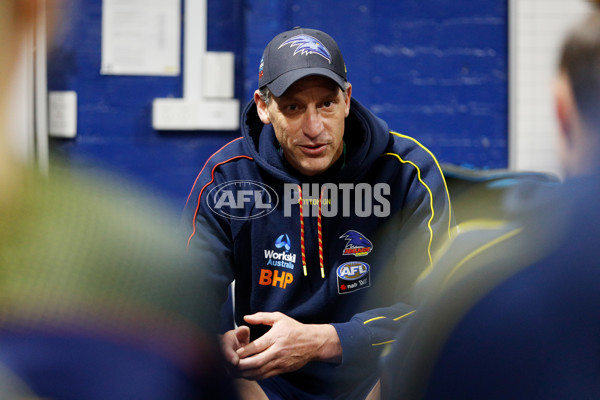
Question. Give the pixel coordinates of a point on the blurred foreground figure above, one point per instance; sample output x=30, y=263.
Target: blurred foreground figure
x=514, y=312
x=96, y=302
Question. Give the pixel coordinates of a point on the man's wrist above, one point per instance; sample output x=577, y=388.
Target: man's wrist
x=329, y=346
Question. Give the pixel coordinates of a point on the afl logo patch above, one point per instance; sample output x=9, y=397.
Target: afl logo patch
x=352, y=276
x=242, y=199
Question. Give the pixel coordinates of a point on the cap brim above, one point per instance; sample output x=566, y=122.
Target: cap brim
x=279, y=85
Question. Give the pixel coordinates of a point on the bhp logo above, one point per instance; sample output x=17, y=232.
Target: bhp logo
x=275, y=278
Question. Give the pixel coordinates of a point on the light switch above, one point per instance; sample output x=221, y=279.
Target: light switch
x=218, y=75
x=62, y=114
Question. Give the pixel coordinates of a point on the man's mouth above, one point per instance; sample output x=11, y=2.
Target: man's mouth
x=313, y=149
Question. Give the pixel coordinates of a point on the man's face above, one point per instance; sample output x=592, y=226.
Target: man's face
x=308, y=120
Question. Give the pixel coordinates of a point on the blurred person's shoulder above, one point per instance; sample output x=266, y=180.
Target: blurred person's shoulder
x=95, y=262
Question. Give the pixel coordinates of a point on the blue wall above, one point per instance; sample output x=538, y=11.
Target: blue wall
x=435, y=70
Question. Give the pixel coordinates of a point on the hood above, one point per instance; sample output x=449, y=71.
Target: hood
x=366, y=137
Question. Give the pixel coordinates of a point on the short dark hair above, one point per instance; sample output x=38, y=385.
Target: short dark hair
x=580, y=61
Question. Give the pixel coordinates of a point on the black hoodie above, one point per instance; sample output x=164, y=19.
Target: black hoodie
x=258, y=222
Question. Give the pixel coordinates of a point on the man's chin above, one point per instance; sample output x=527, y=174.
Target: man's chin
x=313, y=170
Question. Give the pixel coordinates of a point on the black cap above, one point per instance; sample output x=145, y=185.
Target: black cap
x=294, y=54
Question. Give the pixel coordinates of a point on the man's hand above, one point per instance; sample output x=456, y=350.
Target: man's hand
x=232, y=341
x=286, y=347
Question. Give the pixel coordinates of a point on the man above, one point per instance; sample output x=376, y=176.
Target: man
x=96, y=301
x=532, y=331
x=302, y=212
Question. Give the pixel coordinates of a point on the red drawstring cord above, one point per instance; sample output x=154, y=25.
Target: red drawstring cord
x=302, y=233
x=319, y=234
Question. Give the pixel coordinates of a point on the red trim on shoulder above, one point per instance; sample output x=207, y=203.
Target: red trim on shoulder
x=212, y=174
x=205, y=164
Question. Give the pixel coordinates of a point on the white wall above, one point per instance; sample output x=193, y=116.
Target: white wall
x=27, y=108
x=20, y=109
x=536, y=31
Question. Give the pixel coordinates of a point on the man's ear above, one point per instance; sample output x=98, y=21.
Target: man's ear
x=348, y=98
x=564, y=108
x=261, y=107
x=573, y=139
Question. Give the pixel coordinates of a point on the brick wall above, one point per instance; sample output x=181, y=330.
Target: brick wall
x=435, y=70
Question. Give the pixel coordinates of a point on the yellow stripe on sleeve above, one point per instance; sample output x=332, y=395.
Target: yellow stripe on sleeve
x=441, y=174
x=430, y=201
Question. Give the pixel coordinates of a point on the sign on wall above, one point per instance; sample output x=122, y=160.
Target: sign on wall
x=141, y=37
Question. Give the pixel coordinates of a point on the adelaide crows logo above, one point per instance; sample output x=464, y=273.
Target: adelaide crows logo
x=357, y=244
x=308, y=45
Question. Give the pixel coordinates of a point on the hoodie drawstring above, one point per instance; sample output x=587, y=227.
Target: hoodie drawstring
x=319, y=234
x=303, y=251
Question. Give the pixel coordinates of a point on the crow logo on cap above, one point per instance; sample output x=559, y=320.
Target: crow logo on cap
x=306, y=45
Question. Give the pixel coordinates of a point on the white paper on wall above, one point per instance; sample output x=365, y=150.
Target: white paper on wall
x=141, y=37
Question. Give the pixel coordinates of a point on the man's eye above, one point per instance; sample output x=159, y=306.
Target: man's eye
x=292, y=107
x=327, y=104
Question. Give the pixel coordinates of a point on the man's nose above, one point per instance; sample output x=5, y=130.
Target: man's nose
x=312, y=124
